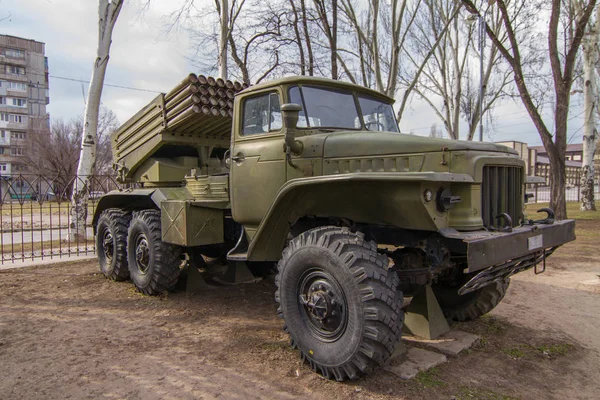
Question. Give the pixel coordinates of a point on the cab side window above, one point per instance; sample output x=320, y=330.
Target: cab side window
x=262, y=114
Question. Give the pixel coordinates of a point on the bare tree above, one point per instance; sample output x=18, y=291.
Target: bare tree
x=108, y=12
x=562, y=64
x=380, y=37
x=255, y=46
x=591, y=60
x=449, y=84
x=57, y=151
x=327, y=11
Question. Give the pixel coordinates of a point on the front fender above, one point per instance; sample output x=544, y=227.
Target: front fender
x=393, y=199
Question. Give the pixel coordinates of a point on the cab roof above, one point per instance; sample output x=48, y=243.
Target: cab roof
x=317, y=81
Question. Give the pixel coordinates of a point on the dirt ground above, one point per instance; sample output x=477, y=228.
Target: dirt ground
x=67, y=332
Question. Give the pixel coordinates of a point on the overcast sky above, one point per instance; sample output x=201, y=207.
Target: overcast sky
x=143, y=57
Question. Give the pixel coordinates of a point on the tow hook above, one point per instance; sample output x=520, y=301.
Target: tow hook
x=508, y=222
x=549, y=220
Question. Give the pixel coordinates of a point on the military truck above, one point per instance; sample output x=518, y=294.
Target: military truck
x=313, y=174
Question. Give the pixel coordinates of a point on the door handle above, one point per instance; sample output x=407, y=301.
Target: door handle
x=239, y=157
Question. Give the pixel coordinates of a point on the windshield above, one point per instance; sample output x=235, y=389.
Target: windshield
x=329, y=108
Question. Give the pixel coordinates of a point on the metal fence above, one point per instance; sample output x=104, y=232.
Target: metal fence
x=35, y=209
x=541, y=191
x=34, y=216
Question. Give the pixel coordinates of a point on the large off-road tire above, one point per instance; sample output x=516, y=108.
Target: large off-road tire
x=339, y=302
x=471, y=305
x=153, y=264
x=111, y=243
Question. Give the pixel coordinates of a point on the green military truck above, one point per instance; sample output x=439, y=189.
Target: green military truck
x=314, y=174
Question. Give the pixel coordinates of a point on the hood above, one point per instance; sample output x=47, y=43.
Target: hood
x=353, y=144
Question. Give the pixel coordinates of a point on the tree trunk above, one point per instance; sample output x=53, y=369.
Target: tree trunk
x=224, y=33
x=298, y=38
x=311, y=58
x=557, y=187
x=107, y=17
x=334, y=34
x=590, y=100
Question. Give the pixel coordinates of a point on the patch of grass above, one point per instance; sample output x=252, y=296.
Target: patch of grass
x=276, y=346
x=467, y=393
x=547, y=350
x=429, y=379
x=573, y=211
x=493, y=325
x=516, y=352
x=555, y=350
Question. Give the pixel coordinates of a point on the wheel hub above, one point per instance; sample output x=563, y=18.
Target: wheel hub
x=324, y=305
x=142, y=254
x=108, y=245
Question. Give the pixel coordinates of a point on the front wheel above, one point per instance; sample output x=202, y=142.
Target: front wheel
x=153, y=264
x=339, y=302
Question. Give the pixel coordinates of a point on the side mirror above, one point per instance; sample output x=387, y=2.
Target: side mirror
x=289, y=115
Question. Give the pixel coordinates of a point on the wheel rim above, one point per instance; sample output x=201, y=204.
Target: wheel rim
x=142, y=254
x=108, y=246
x=323, y=305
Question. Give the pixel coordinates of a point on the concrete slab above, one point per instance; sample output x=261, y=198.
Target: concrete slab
x=414, y=360
x=450, y=343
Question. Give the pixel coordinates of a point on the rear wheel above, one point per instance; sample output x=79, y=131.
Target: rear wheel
x=153, y=264
x=339, y=303
x=472, y=305
x=111, y=243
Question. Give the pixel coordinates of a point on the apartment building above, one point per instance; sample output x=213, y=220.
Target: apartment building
x=23, y=100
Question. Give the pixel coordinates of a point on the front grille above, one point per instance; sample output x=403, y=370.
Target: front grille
x=501, y=192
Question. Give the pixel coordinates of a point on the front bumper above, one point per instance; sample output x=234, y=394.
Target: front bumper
x=498, y=255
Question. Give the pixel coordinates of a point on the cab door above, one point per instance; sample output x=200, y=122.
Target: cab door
x=257, y=166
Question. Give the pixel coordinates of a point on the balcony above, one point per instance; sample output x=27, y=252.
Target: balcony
x=14, y=109
x=16, y=93
x=16, y=126
x=13, y=77
x=21, y=62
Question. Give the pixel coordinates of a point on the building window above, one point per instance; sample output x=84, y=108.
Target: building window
x=2, y=167
x=1, y=150
x=2, y=135
x=17, y=151
x=15, y=70
x=17, y=135
x=14, y=53
x=16, y=85
x=20, y=167
x=17, y=119
x=19, y=102
x=2, y=100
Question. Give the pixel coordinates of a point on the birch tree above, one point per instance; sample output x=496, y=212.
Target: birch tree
x=108, y=12
x=563, y=46
x=591, y=60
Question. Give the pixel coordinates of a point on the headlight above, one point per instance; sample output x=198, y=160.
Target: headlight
x=428, y=195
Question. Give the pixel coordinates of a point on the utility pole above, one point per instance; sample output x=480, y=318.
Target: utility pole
x=482, y=26
x=482, y=33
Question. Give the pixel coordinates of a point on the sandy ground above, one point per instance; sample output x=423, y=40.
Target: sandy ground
x=67, y=332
